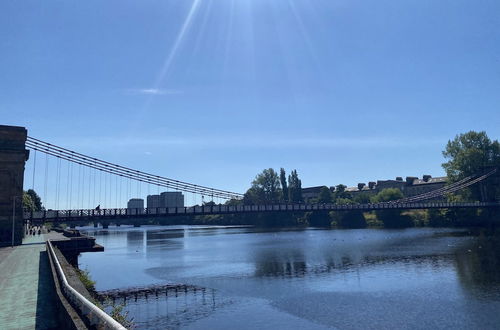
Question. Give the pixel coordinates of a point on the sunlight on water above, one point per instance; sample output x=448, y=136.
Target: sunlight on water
x=306, y=278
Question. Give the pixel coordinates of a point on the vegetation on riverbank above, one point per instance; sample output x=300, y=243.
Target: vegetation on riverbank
x=467, y=154
x=115, y=310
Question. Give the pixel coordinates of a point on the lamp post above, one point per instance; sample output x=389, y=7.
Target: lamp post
x=14, y=217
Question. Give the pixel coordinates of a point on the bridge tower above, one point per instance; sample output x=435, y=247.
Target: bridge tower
x=13, y=156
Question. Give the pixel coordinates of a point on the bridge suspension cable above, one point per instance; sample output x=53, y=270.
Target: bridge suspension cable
x=125, y=172
x=464, y=183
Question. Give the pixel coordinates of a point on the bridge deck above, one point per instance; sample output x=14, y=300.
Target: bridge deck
x=65, y=215
x=26, y=289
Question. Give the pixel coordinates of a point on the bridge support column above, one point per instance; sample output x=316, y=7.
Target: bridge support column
x=13, y=155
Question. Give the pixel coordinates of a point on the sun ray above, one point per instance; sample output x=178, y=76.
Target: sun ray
x=180, y=37
x=171, y=56
x=303, y=31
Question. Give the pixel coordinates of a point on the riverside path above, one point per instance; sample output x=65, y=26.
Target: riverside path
x=26, y=289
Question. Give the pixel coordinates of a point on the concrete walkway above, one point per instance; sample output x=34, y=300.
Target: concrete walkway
x=26, y=291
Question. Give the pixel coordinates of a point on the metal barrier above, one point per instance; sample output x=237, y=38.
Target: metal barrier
x=95, y=315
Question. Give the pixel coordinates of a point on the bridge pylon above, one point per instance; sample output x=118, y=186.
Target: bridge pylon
x=13, y=156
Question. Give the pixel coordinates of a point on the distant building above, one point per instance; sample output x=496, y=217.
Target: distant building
x=166, y=199
x=410, y=187
x=153, y=201
x=311, y=193
x=136, y=204
x=172, y=199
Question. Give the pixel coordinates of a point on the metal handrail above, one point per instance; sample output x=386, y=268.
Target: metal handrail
x=94, y=314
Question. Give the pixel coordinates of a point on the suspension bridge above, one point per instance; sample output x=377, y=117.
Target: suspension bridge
x=86, y=164
x=72, y=184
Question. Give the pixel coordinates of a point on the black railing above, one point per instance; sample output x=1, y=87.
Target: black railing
x=63, y=215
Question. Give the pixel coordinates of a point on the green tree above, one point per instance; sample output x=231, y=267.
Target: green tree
x=284, y=186
x=294, y=188
x=362, y=198
x=28, y=202
x=341, y=193
x=469, y=154
x=265, y=188
x=325, y=196
x=253, y=196
x=321, y=218
x=391, y=218
x=387, y=195
x=37, y=201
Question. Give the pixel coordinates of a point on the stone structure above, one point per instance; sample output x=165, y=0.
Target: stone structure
x=411, y=186
x=310, y=193
x=13, y=156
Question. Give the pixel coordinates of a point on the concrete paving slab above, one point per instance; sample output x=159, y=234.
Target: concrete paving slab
x=27, y=299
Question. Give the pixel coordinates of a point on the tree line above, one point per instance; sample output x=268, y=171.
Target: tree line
x=467, y=154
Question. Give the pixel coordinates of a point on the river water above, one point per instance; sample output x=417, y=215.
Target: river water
x=249, y=278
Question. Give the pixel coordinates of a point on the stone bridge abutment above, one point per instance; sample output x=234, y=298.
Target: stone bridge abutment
x=13, y=155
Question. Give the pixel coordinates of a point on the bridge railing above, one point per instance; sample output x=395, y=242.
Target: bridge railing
x=221, y=209
x=96, y=316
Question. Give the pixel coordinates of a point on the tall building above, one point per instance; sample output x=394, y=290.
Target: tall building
x=153, y=201
x=135, y=203
x=166, y=199
x=172, y=199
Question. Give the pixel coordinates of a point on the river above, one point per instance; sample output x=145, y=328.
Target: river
x=419, y=278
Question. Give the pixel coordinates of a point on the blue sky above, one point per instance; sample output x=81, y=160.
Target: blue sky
x=214, y=91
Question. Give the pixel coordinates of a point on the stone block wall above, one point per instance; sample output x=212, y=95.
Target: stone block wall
x=13, y=155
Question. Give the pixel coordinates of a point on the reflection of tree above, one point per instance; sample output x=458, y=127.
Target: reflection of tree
x=478, y=264
x=277, y=263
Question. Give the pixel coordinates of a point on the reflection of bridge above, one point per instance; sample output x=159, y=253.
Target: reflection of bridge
x=90, y=215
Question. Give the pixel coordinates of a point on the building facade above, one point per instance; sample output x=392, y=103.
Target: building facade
x=172, y=199
x=166, y=199
x=410, y=186
x=153, y=201
x=136, y=205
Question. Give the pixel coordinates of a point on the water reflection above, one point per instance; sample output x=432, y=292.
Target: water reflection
x=161, y=240
x=280, y=263
x=172, y=309
x=368, y=276
x=478, y=264
x=135, y=240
